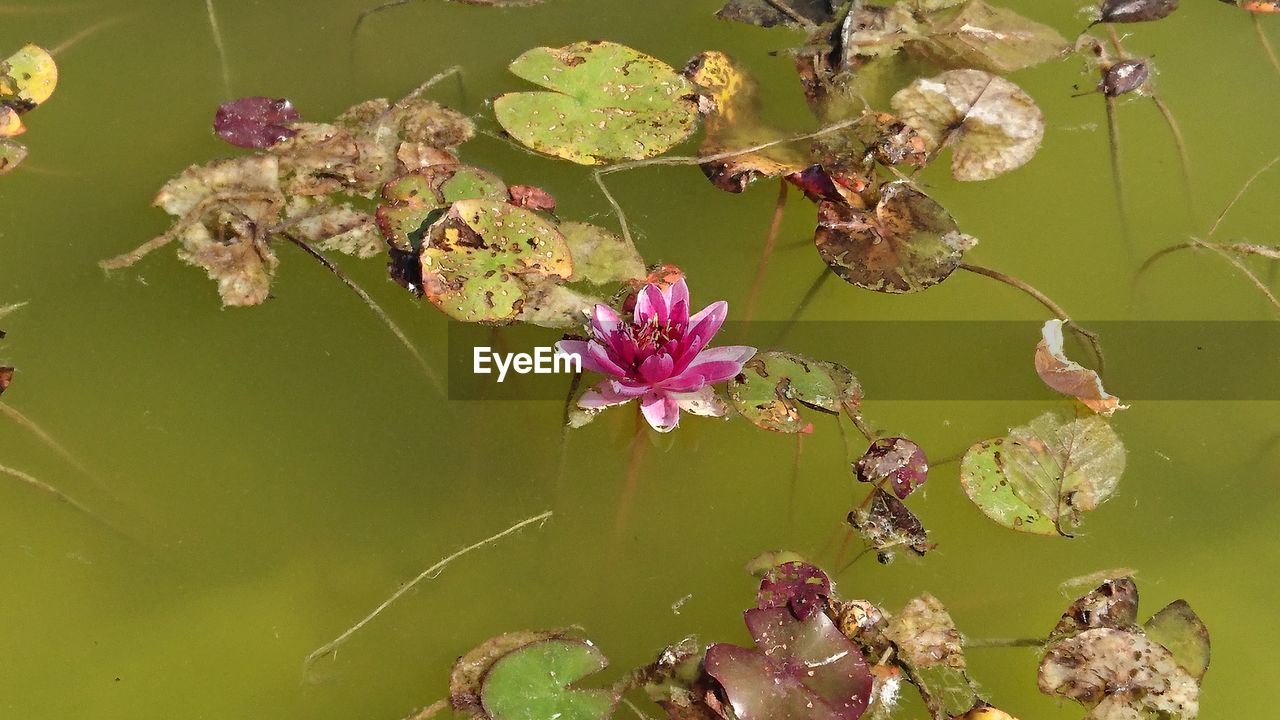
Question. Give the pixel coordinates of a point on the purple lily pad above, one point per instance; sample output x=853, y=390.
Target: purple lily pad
x=898, y=459
x=255, y=122
x=800, y=670
x=795, y=585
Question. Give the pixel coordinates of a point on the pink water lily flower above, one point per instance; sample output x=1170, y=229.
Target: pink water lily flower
x=659, y=356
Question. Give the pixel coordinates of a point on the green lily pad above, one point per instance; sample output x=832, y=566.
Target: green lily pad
x=599, y=256
x=415, y=199
x=1043, y=477
x=483, y=256
x=907, y=243
x=535, y=683
x=606, y=102
x=12, y=153
x=1182, y=633
x=27, y=78
x=774, y=385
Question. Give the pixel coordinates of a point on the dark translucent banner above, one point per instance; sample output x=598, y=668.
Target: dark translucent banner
x=941, y=360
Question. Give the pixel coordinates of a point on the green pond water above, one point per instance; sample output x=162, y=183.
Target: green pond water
x=279, y=471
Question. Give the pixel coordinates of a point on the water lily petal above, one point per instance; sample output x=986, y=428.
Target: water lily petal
x=651, y=304
x=596, y=362
x=603, y=395
x=604, y=321
x=715, y=365
x=707, y=322
x=702, y=402
x=656, y=368
x=678, y=302
x=661, y=410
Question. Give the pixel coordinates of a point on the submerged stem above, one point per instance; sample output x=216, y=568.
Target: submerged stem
x=1053, y=307
x=30, y=426
x=803, y=305
x=430, y=573
x=766, y=253
x=1184, y=159
x=1117, y=178
x=221, y=47
x=632, y=481
x=1240, y=194
x=1003, y=642
x=74, y=40
x=1266, y=43
x=375, y=307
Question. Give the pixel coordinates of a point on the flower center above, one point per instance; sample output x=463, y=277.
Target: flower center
x=654, y=335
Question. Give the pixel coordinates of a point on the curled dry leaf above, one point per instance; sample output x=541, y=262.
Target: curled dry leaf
x=1183, y=634
x=1113, y=604
x=800, y=670
x=538, y=681
x=1130, y=11
x=604, y=102
x=886, y=523
x=1069, y=377
x=334, y=226
x=991, y=125
x=985, y=37
x=27, y=78
x=1119, y=675
x=599, y=256
x=6, y=378
x=1042, y=478
x=1124, y=77
x=798, y=586
x=899, y=460
x=484, y=255
x=12, y=153
x=931, y=648
x=906, y=244
x=255, y=122
x=534, y=198
x=732, y=123
x=774, y=385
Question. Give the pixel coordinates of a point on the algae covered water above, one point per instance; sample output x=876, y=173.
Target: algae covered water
x=258, y=479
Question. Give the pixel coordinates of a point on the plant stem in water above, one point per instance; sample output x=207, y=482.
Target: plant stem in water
x=770, y=242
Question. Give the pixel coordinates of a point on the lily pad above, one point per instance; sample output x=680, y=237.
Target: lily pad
x=27, y=78
x=931, y=648
x=774, y=385
x=799, y=586
x=535, y=682
x=1120, y=675
x=470, y=670
x=899, y=460
x=415, y=199
x=1068, y=376
x=733, y=123
x=906, y=244
x=12, y=153
x=799, y=670
x=599, y=256
x=1182, y=633
x=886, y=523
x=1043, y=477
x=604, y=102
x=483, y=256
x=985, y=37
x=991, y=125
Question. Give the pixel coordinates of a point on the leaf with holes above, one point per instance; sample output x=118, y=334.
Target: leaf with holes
x=415, y=200
x=906, y=244
x=27, y=78
x=255, y=122
x=483, y=256
x=932, y=649
x=799, y=586
x=604, y=102
x=1042, y=478
x=799, y=670
x=886, y=524
x=1113, y=604
x=1120, y=675
x=992, y=126
x=899, y=460
x=774, y=385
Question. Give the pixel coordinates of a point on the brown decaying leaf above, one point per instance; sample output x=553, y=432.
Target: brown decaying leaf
x=6, y=377
x=992, y=126
x=771, y=13
x=1069, y=377
x=337, y=227
x=886, y=523
x=908, y=243
x=1113, y=604
x=1124, y=77
x=1130, y=11
x=1121, y=675
x=986, y=37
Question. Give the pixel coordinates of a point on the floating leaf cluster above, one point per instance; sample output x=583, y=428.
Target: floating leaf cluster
x=27, y=79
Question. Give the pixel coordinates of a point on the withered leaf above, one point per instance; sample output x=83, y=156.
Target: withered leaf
x=552, y=305
x=6, y=377
x=337, y=227
x=1182, y=633
x=899, y=460
x=1130, y=11
x=991, y=125
x=1124, y=77
x=931, y=648
x=599, y=256
x=12, y=153
x=771, y=13
x=1120, y=675
x=908, y=243
x=986, y=37
x=886, y=523
x=1069, y=377
x=1113, y=604
x=255, y=122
